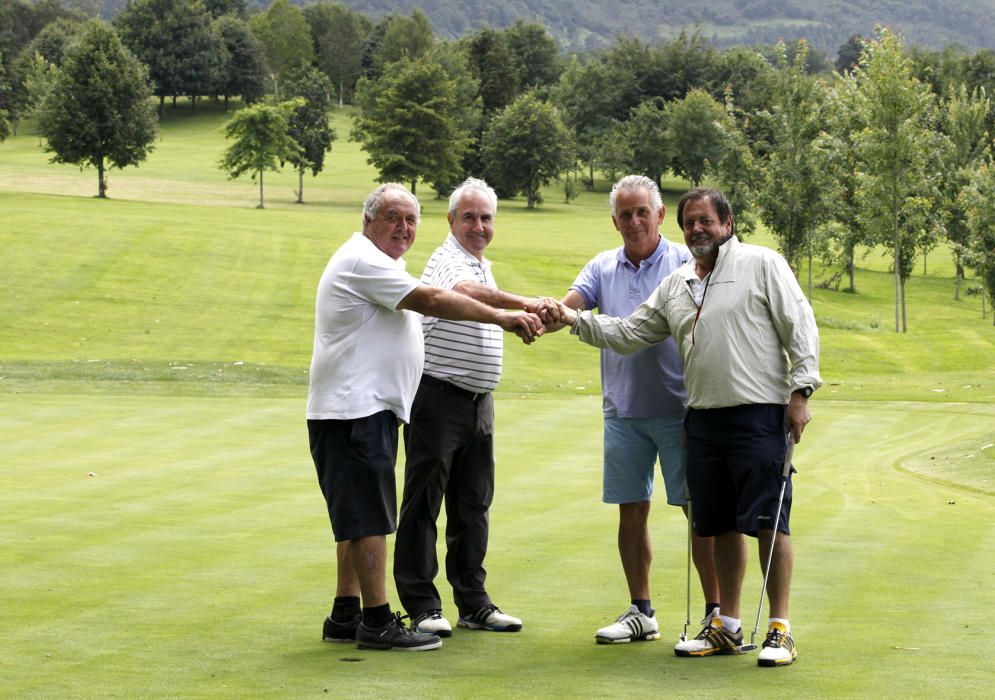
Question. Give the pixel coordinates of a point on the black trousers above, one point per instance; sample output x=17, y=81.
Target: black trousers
x=449, y=450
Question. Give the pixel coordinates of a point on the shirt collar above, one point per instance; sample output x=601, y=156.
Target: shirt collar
x=455, y=245
x=655, y=256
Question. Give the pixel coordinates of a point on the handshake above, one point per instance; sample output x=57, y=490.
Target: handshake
x=540, y=315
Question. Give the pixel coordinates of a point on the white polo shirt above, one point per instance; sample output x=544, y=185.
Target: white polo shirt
x=367, y=356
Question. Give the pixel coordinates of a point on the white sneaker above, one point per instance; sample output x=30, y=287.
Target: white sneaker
x=432, y=622
x=778, y=648
x=490, y=618
x=632, y=626
x=713, y=639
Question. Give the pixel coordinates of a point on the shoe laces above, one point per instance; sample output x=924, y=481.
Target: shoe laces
x=774, y=637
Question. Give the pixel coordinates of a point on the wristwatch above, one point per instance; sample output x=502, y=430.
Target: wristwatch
x=805, y=391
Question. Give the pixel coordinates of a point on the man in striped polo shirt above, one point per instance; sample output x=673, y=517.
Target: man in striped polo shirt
x=449, y=446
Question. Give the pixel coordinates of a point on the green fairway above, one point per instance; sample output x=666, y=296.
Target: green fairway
x=180, y=548
x=164, y=535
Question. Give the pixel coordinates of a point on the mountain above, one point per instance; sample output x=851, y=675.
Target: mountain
x=826, y=24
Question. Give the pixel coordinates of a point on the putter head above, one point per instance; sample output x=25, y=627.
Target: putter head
x=746, y=647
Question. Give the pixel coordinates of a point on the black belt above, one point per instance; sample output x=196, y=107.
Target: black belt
x=443, y=385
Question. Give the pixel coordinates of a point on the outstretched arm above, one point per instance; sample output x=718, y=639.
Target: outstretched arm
x=442, y=303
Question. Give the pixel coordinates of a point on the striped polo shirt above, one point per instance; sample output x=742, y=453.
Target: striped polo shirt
x=465, y=353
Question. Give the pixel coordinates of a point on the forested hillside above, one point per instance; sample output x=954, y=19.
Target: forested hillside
x=585, y=24
x=589, y=24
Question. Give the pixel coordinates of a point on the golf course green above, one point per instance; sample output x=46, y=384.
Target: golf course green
x=164, y=536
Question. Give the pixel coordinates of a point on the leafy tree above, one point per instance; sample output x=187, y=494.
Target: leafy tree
x=535, y=54
x=838, y=143
x=679, y=66
x=896, y=149
x=261, y=141
x=286, y=38
x=648, y=141
x=404, y=37
x=338, y=33
x=526, y=148
x=219, y=8
x=244, y=70
x=965, y=123
x=979, y=248
x=98, y=112
x=408, y=125
x=467, y=112
x=848, y=54
x=697, y=128
x=309, y=122
x=793, y=194
x=4, y=114
x=585, y=97
x=175, y=40
x=493, y=65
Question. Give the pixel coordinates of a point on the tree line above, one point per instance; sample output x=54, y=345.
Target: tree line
x=893, y=147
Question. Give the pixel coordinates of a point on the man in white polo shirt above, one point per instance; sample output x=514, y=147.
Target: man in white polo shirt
x=449, y=442
x=367, y=361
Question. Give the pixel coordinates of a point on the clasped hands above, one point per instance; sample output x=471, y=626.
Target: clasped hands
x=541, y=315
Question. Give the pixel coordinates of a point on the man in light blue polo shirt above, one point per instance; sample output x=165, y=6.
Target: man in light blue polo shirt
x=644, y=400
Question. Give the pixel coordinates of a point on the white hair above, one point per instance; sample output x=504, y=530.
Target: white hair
x=472, y=184
x=371, y=207
x=631, y=183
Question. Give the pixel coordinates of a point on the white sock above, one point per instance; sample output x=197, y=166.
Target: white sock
x=782, y=620
x=730, y=623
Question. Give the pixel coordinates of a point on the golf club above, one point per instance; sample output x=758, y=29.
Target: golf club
x=785, y=473
x=687, y=615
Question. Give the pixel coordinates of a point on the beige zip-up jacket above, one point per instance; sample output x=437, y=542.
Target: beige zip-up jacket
x=753, y=340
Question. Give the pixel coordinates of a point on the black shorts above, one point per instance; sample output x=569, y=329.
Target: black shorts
x=735, y=459
x=355, y=463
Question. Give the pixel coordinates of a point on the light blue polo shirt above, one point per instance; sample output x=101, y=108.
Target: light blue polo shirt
x=648, y=383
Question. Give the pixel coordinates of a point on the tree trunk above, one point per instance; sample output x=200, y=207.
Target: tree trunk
x=162, y=106
x=905, y=328
x=193, y=104
x=413, y=181
x=898, y=268
x=810, y=276
x=226, y=102
x=341, y=91
x=590, y=185
x=959, y=278
x=261, y=205
x=101, y=180
x=850, y=271
x=300, y=185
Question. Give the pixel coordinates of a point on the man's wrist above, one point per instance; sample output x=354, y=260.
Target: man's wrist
x=803, y=391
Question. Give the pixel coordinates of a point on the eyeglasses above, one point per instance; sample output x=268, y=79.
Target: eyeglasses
x=393, y=218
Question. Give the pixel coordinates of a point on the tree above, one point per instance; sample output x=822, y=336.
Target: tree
x=696, y=129
x=261, y=141
x=792, y=188
x=526, y=148
x=408, y=125
x=585, y=96
x=4, y=114
x=286, y=38
x=404, y=37
x=493, y=65
x=243, y=72
x=535, y=54
x=646, y=134
x=848, y=54
x=338, y=33
x=309, y=122
x=174, y=38
x=965, y=123
x=979, y=248
x=98, y=113
x=895, y=150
